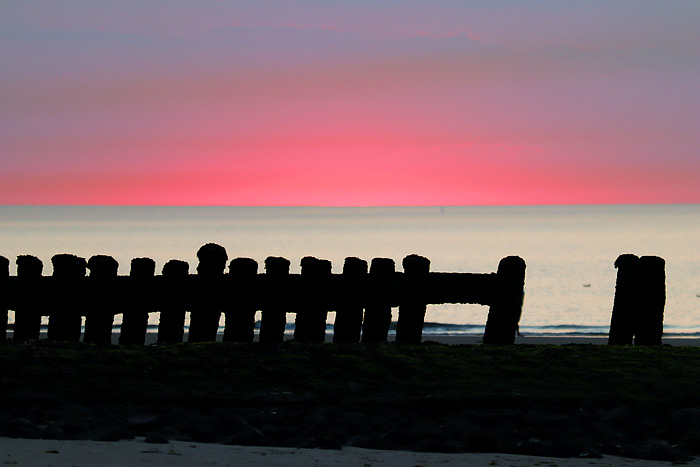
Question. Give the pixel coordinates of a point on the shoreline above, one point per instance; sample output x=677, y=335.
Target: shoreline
x=552, y=340
x=178, y=453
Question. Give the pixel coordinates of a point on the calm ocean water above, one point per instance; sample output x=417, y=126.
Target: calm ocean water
x=569, y=250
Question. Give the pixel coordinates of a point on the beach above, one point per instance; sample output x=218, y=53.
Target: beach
x=564, y=401
x=72, y=453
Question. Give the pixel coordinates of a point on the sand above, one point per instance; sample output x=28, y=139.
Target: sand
x=134, y=453
x=137, y=452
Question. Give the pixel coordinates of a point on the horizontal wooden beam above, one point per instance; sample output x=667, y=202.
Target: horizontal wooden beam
x=331, y=292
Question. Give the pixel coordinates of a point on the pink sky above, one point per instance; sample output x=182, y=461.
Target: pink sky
x=349, y=103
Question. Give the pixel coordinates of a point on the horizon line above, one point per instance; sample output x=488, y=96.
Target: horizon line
x=351, y=206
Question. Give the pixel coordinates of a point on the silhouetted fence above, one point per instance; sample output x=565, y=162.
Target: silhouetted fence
x=361, y=296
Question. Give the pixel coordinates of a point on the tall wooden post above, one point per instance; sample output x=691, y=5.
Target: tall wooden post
x=507, y=304
x=274, y=318
x=310, y=324
x=652, y=287
x=626, y=303
x=4, y=274
x=171, y=327
x=135, y=314
x=28, y=310
x=348, y=316
x=65, y=319
x=409, y=329
x=206, y=313
x=99, y=317
x=239, y=312
x=375, y=328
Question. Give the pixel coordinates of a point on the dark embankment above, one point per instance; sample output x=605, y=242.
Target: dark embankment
x=545, y=400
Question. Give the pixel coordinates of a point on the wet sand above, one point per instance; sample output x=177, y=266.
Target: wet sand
x=476, y=340
x=451, y=339
x=522, y=340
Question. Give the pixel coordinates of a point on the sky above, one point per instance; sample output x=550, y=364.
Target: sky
x=340, y=103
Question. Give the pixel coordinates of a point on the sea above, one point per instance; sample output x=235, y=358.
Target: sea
x=569, y=250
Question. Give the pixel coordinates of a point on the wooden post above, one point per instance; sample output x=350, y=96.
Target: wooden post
x=626, y=303
x=652, y=290
x=135, y=314
x=206, y=313
x=375, y=328
x=409, y=329
x=348, y=316
x=4, y=274
x=310, y=324
x=65, y=320
x=99, y=317
x=28, y=310
x=240, y=313
x=274, y=317
x=171, y=327
x=507, y=303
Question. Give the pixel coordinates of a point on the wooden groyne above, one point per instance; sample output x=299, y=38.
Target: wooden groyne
x=362, y=296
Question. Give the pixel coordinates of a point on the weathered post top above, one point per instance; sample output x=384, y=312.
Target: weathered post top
x=513, y=266
x=314, y=268
x=176, y=268
x=382, y=267
x=415, y=265
x=66, y=265
x=626, y=260
x=653, y=262
x=354, y=267
x=276, y=266
x=212, y=260
x=102, y=266
x=142, y=268
x=241, y=268
x=29, y=266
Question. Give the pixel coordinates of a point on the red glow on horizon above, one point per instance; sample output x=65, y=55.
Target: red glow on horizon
x=385, y=176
